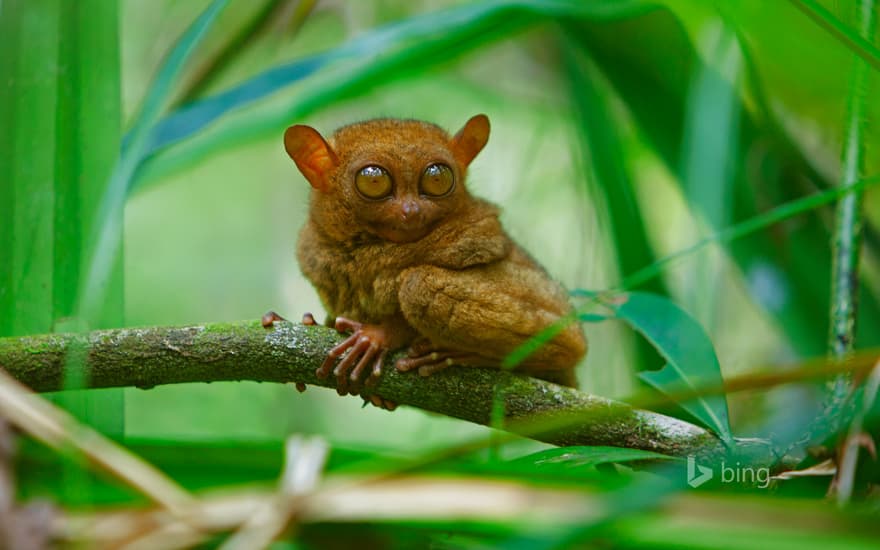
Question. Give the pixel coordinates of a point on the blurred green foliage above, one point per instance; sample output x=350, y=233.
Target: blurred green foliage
x=61, y=118
x=622, y=132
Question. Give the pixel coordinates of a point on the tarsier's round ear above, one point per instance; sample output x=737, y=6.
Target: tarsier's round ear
x=312, y=154
x=471, y=139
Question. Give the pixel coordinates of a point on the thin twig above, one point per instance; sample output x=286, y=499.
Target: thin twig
x=304, y=465
x=46, y=423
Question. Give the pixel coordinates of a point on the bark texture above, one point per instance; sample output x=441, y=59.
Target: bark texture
x=290, y=352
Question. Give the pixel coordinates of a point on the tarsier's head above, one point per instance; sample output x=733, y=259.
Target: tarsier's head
x=394, y=179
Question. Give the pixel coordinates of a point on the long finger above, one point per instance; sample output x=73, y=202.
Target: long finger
x=341, y=370
x=377, y=368
x=405, y=364
x=428, y=370
x=355, y=376
x=343, y=324
x=335, y=352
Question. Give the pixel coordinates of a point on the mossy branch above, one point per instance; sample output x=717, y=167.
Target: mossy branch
x=289, y=352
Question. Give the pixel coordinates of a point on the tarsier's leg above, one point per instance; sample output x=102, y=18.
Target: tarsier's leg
x=437, y=360
x=485, y=314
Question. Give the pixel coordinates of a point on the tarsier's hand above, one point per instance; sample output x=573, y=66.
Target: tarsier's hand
x=364, y=355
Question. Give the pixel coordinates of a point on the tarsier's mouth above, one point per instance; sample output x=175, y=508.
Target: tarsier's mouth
x=403, y=232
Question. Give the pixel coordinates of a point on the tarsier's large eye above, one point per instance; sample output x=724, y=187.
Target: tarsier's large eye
x=437, y=180
x=373, y=182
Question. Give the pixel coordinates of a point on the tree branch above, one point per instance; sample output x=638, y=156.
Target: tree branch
x=147, y=357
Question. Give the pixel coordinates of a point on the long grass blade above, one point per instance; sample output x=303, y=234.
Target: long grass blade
x=749, y=227
x=108, y=227
x=856, y=43
x=384, y=54
x=29, y=34
x=709, y=154
x=602, y=141
x=788, y=274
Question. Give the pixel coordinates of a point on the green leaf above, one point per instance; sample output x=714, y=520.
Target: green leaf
x=604, y=147
x=592, y=317
x=162, y=87
x=846, y=35
x=387, y=53
x=191, y=118
x=29, y=37
x=786, y=274
x=744, y=229
x=107, y=237
x=711, y=132
x=60, y=107
x=586, y=457
x=690, y=356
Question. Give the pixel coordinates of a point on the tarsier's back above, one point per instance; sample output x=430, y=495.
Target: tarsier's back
x=402, y=253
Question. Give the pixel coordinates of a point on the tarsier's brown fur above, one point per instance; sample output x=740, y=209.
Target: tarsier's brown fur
x=436, y=274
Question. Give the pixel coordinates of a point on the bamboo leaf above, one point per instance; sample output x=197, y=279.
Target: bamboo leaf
x=690, y=356
x=709, y=151
x=604, y=146
x=788, y=274
x=586, y=457
x=89, y=118
x=29, y=37
x=746, y=228
x=107, y=237
x=378, y=57
x=60, y=108
x=859, y=45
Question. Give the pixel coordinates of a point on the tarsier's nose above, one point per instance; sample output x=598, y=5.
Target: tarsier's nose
x=409, y=210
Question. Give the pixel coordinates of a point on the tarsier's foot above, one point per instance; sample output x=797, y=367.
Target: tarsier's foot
x=380, y=402
x=269, y=319
x=428, y=364
x=365, y=349
x=429, y=359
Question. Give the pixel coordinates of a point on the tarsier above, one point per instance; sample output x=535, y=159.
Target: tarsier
x=403, y=256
